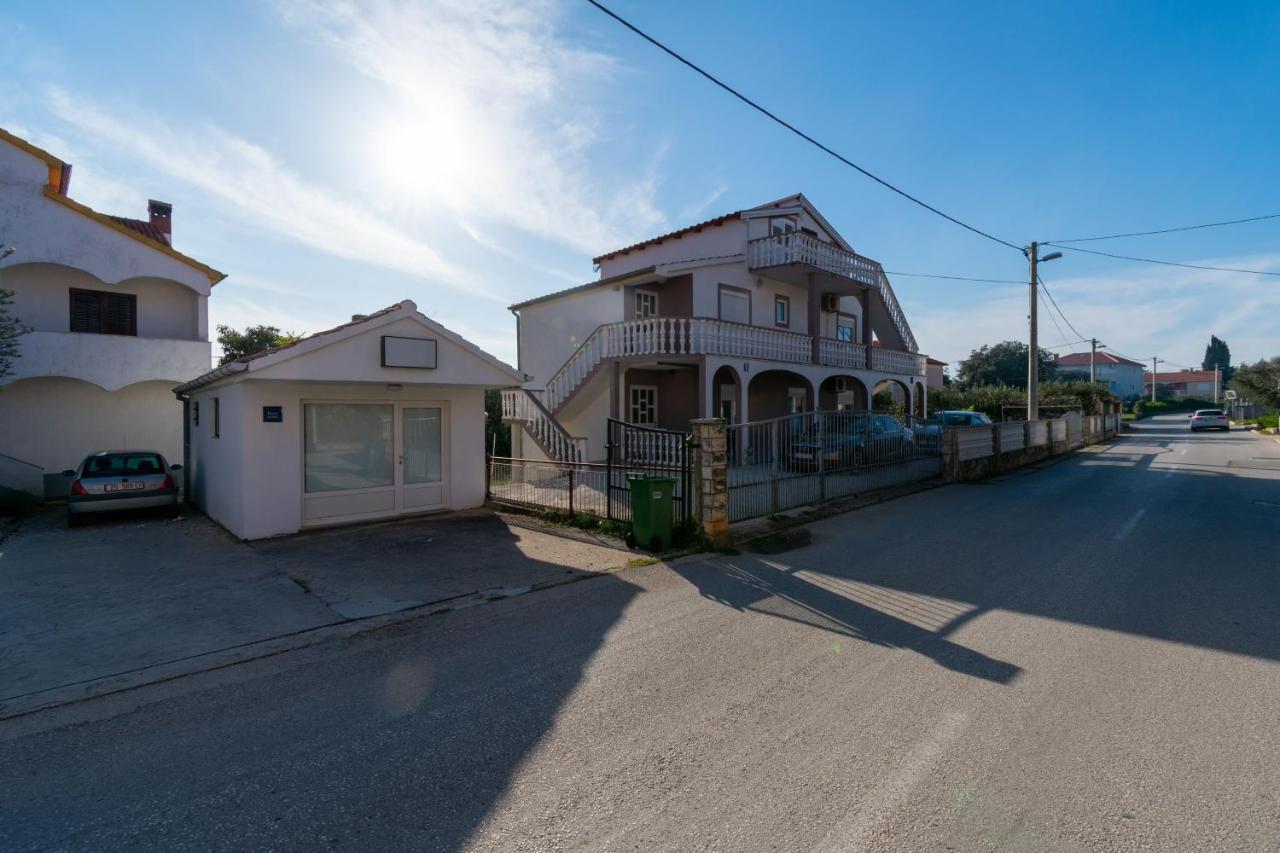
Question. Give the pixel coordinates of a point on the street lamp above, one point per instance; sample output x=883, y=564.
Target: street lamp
x=1033, y=353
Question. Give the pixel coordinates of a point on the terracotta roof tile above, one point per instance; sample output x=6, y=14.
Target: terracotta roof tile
x=143, y=227
x=710, y=223
x=1081, y=359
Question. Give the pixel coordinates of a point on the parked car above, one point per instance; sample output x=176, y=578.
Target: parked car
x=121, y=479
x=938, y=421
x=849, y=443
x=1209, y=419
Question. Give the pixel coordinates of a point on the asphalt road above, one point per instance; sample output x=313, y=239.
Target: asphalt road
x=1080, y=657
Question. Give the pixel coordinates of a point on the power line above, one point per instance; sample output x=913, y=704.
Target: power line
x=1164, y=263
x=1055, y=305
x=757, y=107
x=956, y=277
x=1051, y=317
x=1163, y=230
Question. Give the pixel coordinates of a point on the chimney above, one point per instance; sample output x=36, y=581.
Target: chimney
x=161, y=218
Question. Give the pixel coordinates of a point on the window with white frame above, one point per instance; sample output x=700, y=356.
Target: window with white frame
x=781, y=311
x=644, y=404
x=646, y=304
x=735, y=304
x=844, y=329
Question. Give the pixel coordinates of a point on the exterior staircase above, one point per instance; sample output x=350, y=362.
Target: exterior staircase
x=522, y=406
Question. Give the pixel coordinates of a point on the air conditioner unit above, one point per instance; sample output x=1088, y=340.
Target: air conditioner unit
x=842, y=384
x=830, y=302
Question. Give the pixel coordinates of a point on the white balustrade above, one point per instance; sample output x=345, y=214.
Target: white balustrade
x=842, y=354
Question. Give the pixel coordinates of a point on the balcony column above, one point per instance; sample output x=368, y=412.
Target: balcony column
x=815, y=319
x=615, y=390
x=866, y=324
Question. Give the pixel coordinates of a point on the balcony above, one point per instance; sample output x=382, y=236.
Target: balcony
x=109, y=361
x=685, y=336
x=795, y=248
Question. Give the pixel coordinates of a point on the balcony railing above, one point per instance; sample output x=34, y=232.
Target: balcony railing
x=799, y=248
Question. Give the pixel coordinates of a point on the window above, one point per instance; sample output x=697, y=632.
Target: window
x=103, y=313
x=735, y=304
x=646, y=304
x=782, y=225
x=781, y=311
x=795, y=400
x=123, y=465
x=844, y=328
x=217, y=418
x=349, y=446
x=644, y=404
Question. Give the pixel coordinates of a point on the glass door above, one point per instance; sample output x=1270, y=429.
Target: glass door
x=421, y=458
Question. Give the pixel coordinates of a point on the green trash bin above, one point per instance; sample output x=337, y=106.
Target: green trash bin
x=651, y=499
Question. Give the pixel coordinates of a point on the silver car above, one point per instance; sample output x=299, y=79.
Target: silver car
x=121, y=479
x=1209, y=419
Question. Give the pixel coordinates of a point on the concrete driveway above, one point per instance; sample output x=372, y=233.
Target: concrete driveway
x=105, y=604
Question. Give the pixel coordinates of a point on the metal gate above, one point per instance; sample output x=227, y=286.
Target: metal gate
x=633, y=449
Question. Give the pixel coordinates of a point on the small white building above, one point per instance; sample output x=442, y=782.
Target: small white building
x=117, y=316
x=380, y=417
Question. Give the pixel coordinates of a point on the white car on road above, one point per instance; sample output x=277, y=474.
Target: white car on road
x=1209, y=419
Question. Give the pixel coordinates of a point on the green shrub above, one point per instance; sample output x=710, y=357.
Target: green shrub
x=992, y=400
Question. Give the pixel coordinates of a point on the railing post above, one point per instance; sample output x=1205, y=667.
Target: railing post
x=571, y=490
x=822, y=459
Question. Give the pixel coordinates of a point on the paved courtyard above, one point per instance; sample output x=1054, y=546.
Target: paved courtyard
x=126, y=594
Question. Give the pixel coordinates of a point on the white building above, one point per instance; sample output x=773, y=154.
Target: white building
x=380, y=417
x=1122, y=377
x=117, y=316
x=751, y=315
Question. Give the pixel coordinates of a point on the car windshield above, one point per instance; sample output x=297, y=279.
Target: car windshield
x=1210, y=413
x=123, y=464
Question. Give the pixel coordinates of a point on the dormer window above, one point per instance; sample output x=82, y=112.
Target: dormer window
x=646, y=304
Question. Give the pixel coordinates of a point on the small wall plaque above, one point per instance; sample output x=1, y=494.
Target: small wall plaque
x=408, y=352
x=272, y=414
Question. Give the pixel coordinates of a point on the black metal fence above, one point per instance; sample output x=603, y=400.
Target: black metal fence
x=603, y=490
x=812, y=457
x=632, y=450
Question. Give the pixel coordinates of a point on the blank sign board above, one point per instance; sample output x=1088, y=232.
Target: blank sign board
x=408, y=352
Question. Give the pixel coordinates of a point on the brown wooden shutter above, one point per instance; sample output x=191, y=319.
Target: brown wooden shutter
x=119, y=319
x=86, y=311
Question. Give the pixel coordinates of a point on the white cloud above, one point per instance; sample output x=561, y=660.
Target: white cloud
x=1137, y=311
x=261, y=190
x=493, y=115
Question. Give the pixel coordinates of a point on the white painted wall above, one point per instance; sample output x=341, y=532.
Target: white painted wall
x=251, y=479
x=55, y=422
x=550, y=332
x=46, y=231
x=108, y=361
x=729, y=238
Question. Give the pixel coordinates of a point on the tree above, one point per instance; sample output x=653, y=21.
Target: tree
x=497, y=435
x=254, y=339
x=10, y=330
x=1217, y=354
x=1259, y=382
x=1003, y=364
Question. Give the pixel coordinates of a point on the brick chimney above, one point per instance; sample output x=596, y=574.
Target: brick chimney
x=161, y=218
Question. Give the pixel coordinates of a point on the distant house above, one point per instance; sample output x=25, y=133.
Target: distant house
x=117, y=316
x=933, y=372
x=1198, y=384
x=1123, y=377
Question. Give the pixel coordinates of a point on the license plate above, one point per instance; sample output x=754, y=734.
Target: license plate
x=123, y=487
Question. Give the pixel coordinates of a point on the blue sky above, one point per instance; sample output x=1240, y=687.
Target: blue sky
x=335, y=158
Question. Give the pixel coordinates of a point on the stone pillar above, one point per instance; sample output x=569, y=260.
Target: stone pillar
x=711, y=477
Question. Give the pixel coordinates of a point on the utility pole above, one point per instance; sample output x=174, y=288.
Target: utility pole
x=1033, y=352
x=1153, y=378
x=1093, y=360
x=1216, y=383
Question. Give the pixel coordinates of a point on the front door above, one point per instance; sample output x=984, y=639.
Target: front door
x=421, y=459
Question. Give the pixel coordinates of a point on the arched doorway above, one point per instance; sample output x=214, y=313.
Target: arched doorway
x=891, y=395
x=726, y=395
x=918, y=406
x=774, y=393
x=843, y=393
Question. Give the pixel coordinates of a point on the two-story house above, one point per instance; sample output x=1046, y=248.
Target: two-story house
x=751, y=315
x=1122, y=376
x=117, y=318
x=1183, y=384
